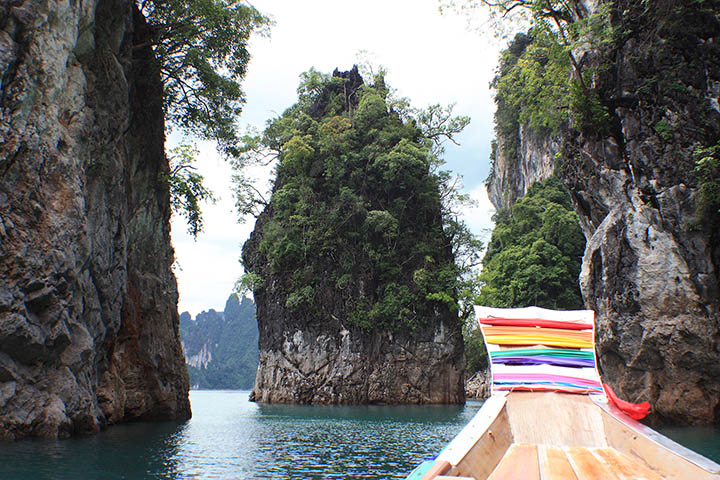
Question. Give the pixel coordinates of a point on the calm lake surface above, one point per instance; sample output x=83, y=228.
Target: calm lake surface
x=231, y=438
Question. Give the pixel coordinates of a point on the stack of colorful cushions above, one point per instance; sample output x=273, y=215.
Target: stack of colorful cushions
x=535, y=349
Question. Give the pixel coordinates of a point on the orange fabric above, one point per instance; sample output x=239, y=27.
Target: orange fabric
x=633, y=410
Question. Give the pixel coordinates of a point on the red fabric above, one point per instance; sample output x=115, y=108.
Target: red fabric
x=633, y=410
x=545, y=388
x=534, y=322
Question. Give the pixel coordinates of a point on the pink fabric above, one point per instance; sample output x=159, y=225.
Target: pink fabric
x=543, y=377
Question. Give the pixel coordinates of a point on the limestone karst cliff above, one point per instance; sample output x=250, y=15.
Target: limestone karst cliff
x=221, y=348
x=353, y=274
x=650, y=268
x=88, y=300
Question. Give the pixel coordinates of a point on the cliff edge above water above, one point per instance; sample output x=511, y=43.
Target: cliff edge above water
x=88, y=301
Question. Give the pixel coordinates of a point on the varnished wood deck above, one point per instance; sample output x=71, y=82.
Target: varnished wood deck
x=543, y=462
x=556, y=436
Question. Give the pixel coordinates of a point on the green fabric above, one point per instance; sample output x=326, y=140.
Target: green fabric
x=552, y=352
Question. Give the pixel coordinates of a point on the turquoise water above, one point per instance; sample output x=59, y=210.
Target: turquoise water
x=231, y=438
x=704, y=440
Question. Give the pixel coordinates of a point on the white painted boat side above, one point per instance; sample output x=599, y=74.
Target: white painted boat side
x=657, y=437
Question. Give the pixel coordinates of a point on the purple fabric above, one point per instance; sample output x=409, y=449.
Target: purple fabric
x=545, y=360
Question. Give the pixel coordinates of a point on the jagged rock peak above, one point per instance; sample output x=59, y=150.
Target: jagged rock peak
x=352, y=306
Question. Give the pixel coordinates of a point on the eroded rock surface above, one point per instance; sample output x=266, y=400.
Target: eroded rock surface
x=344, y=367
x=650, y=272
x=88, y=301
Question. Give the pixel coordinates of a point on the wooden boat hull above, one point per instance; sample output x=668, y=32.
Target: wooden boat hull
x=549, y=436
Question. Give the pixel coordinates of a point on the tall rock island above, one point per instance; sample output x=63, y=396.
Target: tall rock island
x=88, y=300
x=352, y=272
x=636, y=144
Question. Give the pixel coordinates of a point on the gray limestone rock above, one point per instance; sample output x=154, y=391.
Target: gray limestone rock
x=649, y=271
x=88, y=301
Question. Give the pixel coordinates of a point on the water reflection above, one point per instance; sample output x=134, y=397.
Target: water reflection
x=138, y=450
x=231, y=438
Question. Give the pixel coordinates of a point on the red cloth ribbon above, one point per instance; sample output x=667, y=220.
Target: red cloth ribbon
x=633, y=410
x=534, y=322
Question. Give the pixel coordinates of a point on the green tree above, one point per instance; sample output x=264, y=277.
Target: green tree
x=707, y=175
x=540, y=82
x=202, y=50
x=534, y=255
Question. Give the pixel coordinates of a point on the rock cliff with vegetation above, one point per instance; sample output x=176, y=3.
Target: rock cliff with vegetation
x=221, y=348
x=352, y=271
x=621, y=103
x=88, y=300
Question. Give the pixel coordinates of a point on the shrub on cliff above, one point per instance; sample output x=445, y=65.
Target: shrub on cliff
x=534, y=254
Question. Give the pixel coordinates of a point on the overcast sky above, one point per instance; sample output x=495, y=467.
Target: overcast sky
x=430, y=58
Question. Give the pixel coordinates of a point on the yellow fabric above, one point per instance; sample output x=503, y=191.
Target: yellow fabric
x=548, y=340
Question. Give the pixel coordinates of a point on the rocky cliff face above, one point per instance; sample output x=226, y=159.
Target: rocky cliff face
x=88, y=301
x=333, y=364
x=649, y=271
x=512, y=175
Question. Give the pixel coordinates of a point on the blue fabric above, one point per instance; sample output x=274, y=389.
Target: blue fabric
x=421, y=470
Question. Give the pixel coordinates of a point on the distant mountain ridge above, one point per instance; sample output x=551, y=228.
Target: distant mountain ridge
x=221, y=348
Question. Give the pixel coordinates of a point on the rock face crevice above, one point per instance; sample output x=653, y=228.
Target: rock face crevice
x=88, y=300
x=650, y=272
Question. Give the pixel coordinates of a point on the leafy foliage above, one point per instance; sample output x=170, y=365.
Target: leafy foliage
x=186, y=187
x=202, y=49
x=475, y=352
x=231, y=339
x=356, y=207
x=534, y=255
x=707, y=172
x=540, y=85
x=532, y=87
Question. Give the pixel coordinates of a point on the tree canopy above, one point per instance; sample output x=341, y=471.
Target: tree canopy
x=534, y=255
x=357, y=198
x=201, y=46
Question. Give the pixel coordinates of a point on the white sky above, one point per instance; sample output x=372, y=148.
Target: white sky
x=430, y=58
